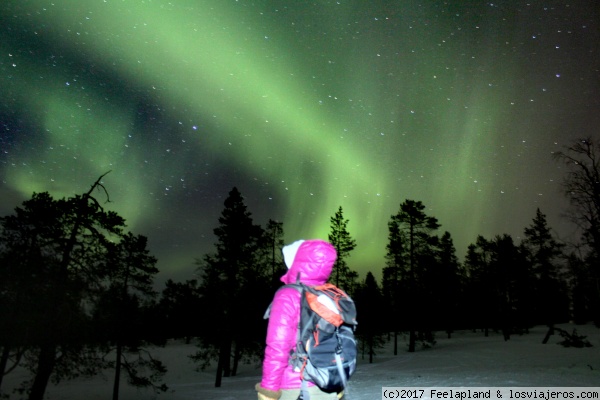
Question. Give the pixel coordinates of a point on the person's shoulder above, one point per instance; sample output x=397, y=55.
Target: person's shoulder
x=288, y=292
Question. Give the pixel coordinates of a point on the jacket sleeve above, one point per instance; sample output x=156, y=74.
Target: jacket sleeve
x=281, y=336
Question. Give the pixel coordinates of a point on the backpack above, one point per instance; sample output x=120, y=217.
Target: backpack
x=326, y=349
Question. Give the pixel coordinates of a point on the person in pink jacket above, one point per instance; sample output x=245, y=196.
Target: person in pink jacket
x=311, y=261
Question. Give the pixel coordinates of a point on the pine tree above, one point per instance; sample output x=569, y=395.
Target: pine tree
x=393, y=276
x=370, y=309
x=340, y=238
x=55, y=250
x=545, y=256
x=508, y=272
x=417, y=228
x=480, y=286
x=130, y=277
x=499, y=285
x=226, y=276
x=273, y=243
x=447, y=284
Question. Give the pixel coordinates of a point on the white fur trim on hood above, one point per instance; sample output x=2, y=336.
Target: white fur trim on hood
x=289, y=252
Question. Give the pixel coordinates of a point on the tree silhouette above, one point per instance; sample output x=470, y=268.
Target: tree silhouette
x=371, y=309
x=340, y=238
x=544, y=254
x=511, y=275
x=227, y=275
x=273, y=242
x=500, y=285
x=130, y=272
x=580, y=288
x=582, y=188
x=55, y=250
x=417, y=228
x=446, y=285
x=178, y=305
x=394, y=273
x=480, y=287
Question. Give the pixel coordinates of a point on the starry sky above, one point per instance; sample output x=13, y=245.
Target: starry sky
x=304, y=106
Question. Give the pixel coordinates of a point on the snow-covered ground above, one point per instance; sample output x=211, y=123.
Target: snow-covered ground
x=467, y=360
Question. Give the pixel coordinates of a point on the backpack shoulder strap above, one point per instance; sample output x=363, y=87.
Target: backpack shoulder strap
x=298, y=286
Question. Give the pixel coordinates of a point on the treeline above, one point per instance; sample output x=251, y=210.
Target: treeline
x=77, y=297
x=501, y=285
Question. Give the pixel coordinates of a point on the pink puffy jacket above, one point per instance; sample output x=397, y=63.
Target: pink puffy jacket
x=311, y=261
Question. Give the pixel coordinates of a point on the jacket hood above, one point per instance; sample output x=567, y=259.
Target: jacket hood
x=311, y=261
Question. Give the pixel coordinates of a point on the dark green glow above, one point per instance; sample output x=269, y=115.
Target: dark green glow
x=305, y=108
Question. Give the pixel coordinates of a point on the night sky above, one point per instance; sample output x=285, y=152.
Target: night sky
x=304, y=106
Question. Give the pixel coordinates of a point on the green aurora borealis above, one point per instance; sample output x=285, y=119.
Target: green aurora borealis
x=304, y=106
